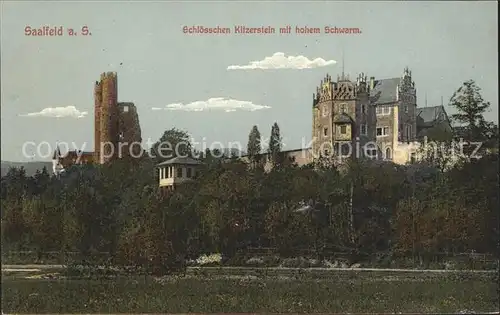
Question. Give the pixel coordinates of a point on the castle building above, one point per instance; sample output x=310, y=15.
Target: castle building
x=363, y=118
x=117, y=132
x=370, y=118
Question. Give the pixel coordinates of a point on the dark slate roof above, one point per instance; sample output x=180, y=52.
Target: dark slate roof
x=460, y=131
x=342, y=119
x=384, y=91
x=431, y=114
x=180, y=160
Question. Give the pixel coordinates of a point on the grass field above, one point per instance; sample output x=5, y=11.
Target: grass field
x=338, y=292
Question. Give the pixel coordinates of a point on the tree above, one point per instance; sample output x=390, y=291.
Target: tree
x=274, y=148
x=254, y=146
x=172, y=143
x=441, y=155
x=470, y=106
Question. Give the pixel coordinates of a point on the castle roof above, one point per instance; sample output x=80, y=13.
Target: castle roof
x=180, y=160
x=385, y=91
x=431, y=114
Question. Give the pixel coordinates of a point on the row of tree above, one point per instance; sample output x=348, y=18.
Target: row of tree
x=368, y=207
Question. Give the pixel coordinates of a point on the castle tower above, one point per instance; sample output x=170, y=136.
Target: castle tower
x=341, y=117
x=97, y=120
x=106, y=117
x=129, y=130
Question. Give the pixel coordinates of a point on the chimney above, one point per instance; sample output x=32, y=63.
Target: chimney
x=372, y=83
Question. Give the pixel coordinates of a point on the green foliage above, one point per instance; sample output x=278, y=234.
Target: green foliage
x=366, y=208
x=341, y=292
x=471, y=107
x=274, y=147
x=172, y=143
x=254, y=146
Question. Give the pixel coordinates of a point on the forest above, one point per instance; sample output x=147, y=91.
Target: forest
x=367, y=208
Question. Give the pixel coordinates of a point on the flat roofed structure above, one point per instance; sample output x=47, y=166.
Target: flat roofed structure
x=176, y=171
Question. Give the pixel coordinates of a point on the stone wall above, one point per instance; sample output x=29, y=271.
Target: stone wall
x=129, y=130
x=97, y=120
x=108, y=125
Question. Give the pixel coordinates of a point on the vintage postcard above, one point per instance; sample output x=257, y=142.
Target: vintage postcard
x=175, y=157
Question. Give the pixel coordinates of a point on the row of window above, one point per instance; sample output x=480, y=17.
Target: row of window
x=380, y=110
x=168, y=172
x=386, y=110
x=371, y=153
x=380, y=132
x=343, y=130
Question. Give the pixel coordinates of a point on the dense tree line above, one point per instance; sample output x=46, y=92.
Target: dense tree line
x=368, y=207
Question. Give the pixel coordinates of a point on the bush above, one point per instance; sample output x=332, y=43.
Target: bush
x=209, y=260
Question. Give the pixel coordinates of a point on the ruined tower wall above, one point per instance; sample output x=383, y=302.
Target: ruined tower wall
x=108, y=125
x=129, y=130
x=97, y=120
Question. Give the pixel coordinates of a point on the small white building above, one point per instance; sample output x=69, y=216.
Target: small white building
x=176, y=171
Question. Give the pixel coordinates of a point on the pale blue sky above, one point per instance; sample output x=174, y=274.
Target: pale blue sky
x=443, y=43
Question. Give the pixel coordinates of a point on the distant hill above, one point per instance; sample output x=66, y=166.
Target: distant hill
x=30, y=167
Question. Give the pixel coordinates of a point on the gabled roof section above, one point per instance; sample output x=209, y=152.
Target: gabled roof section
x=384, y=91
x=180, y=160
x=432, y=114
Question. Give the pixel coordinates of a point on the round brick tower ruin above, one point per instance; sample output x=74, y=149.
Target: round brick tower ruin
x=106, y=118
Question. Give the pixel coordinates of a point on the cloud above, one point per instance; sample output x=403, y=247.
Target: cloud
x=280, y=61
x=58, y=112
x=217, y=103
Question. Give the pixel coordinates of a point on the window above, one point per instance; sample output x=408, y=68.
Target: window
x=343, y=130
x=388, y=155
x=383, y=110
x=125, y=108
x=382, y=131
x=363, y=109
x=325, y=132
x=363, y=129
x=179, y=172
x=325, y=111
x=371, y=153
x=189, y=172
x=406, y=108
x=343, y=108
x=408, y=132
